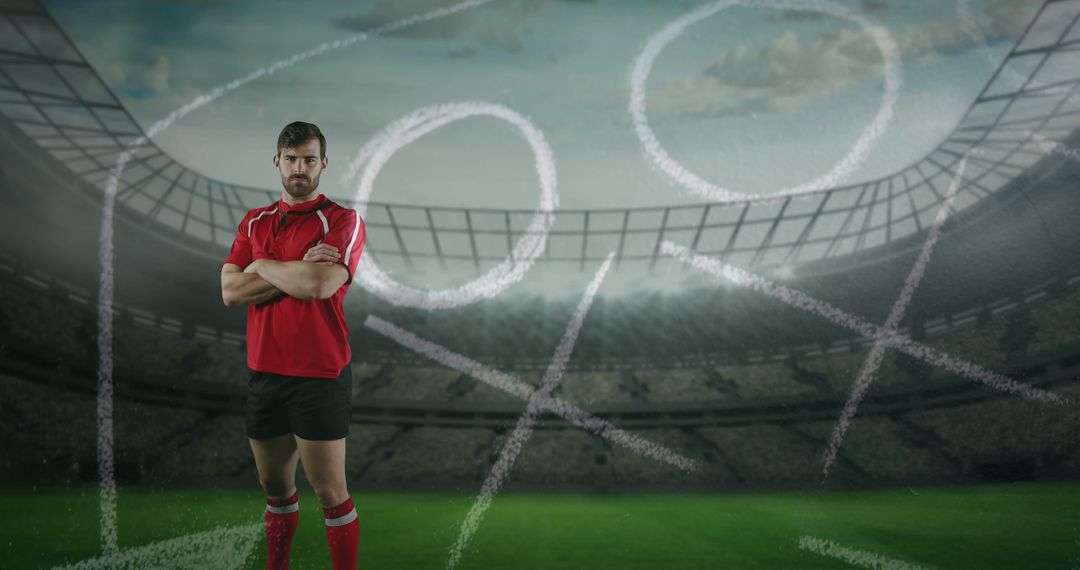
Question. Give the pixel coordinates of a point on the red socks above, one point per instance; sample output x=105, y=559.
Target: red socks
x=343, y=535
x=281, y=519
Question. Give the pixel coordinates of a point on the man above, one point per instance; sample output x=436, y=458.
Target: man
x=291, y=265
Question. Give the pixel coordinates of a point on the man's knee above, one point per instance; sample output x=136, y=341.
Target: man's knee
x=277, y=489
x=331, y=494
x=276, y=462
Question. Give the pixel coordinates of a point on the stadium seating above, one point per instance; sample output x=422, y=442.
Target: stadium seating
x=363, y=374
x=137, y=349
x=881, y=450
x=416, y=384
x=435, y=454
x=38, y=316
x=226, y=364
x=482, y=394
x=831, y=373
x=767, y=453
x=977, y=343
x=60, y=426
x=679, y=385
x=766, y=380
x=42, y=316
x=215, y=450
x=558, y=457
x=367, y=445
x=55, y=425
x=1057, y=324
x=144, y=431
x=632, y=468
x=591, y=388
x=1003, y=428
x=173, y=442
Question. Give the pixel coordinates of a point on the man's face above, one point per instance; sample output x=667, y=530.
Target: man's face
x=300, y=168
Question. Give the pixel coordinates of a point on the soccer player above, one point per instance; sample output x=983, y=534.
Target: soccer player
x=291, y=264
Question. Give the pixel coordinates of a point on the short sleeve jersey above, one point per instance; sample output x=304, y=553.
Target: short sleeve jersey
x=285, y=335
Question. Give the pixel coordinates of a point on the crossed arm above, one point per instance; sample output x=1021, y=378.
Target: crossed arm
x=317, y=276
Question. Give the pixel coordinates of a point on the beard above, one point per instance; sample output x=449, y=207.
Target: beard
x=300, y=188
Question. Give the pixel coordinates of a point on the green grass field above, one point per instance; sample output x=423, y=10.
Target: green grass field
x=1001, y=526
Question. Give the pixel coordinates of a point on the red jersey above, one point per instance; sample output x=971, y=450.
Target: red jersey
x=285, y=335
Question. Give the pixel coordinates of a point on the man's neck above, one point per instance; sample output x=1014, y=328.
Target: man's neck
x=292, y=201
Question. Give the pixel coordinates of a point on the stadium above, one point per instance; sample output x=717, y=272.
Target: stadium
x=876, y=373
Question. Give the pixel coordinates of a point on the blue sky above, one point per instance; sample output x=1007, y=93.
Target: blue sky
x=736, y=96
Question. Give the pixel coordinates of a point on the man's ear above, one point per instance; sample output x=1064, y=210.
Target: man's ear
x=324, y=163
x=277, y=160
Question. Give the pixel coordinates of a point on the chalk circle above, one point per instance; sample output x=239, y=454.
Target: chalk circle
x=376, y=152
x=659, y=158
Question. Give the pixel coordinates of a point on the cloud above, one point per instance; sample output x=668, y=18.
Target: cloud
x=868, y=7
x=789, y=72
x=501, y=26
x=156, y=77
x=139, y=79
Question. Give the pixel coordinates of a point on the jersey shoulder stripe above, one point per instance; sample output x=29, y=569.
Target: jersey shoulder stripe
x=258, y=213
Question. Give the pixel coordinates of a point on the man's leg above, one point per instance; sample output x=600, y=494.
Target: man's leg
x=276, y=460
x=324, y=465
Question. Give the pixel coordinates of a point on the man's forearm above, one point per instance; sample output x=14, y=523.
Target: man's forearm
x=300, y=279
x=241, y=289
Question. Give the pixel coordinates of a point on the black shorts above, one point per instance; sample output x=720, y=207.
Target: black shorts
x=311, y=408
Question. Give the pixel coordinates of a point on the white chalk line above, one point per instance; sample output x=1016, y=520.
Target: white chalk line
x=1049, y=146
x=895, y=340
x=660, y=160
x=854, y=557
x=1045, y=145
x=221, y=547
x=378, y=150
x=511, y=385
x=505, y=462
x=892, y=322
x=107, y=488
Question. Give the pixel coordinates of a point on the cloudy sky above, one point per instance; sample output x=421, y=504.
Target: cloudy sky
x=736, y=96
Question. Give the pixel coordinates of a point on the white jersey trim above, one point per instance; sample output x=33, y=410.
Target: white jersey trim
x=356, y=230
x=325, y=225
x=256, y=218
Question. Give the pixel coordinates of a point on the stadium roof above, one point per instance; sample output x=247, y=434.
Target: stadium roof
x=1022, y=115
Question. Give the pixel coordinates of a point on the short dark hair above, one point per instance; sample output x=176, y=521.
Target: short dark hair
x=297, y=133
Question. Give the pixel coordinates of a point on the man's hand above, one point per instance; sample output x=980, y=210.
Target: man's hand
x=323, y=252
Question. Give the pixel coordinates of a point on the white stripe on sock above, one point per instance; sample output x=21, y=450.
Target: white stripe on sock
x=283, y=510
x=342, y=520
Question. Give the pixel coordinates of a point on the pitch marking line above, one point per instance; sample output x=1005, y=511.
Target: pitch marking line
x=896, y=340
x=221, y=547
x=660, y=160
x=107, y=488
x=538, y=401
x=513, y=386
x=501, y=469
x=896, y=315
x=854, y=557
x=401, y=132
